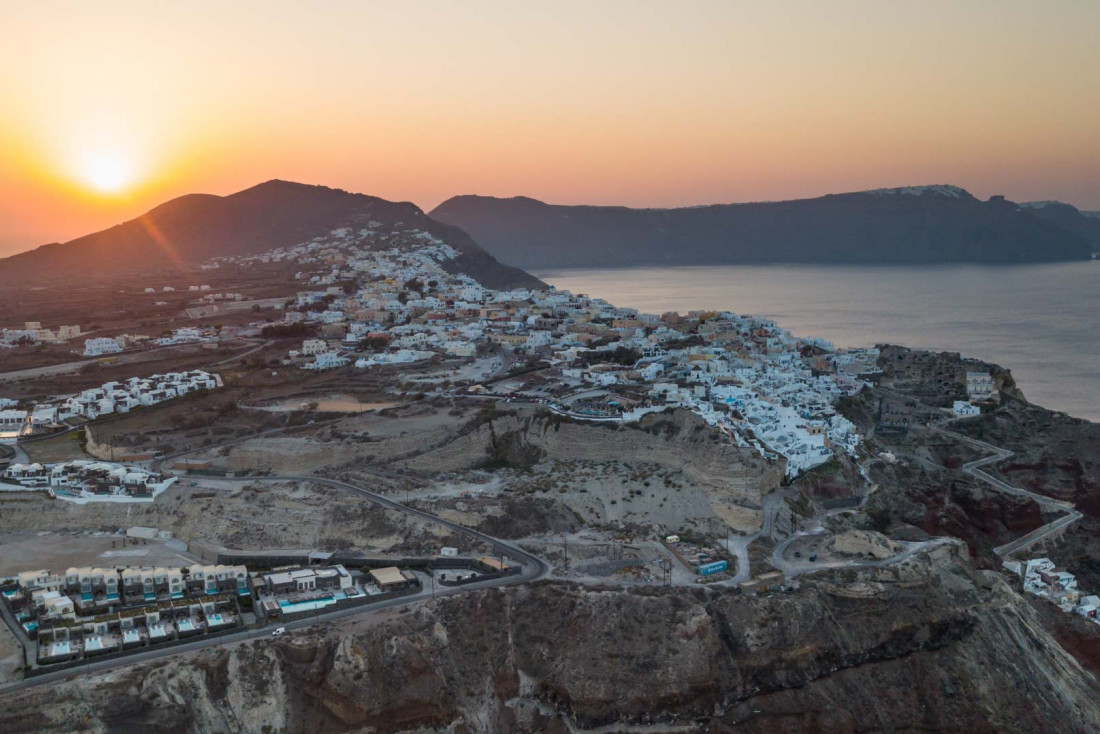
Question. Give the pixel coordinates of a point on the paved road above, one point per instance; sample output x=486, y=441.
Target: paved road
x=792, y=567
x=738, y=546
x=244, y=354
x=974, y=469
x=126, y=356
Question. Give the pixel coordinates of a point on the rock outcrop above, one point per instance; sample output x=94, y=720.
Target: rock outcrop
x=938, y=651
x=678, y=440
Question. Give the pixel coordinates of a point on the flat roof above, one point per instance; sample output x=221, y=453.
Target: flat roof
x=492, y=562
x=387, y=576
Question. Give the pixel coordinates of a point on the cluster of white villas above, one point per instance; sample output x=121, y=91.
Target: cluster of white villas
x=91, y=611
x=110, y=397
x=100, y=346
x=1044, y=579
x=33, y=333
x=752, y=379
x=84, y=481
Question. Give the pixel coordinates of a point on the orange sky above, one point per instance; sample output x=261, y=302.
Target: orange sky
x=636, y=103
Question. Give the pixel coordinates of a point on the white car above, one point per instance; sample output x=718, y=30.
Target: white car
x=279, y=631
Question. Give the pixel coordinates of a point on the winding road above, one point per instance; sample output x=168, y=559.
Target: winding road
x=974, y=469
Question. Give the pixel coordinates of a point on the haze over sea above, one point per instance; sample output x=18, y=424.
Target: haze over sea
x=1040, y=321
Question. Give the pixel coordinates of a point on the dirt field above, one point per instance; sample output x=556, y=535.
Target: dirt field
x=22, y=551
x=62, y=448
x=11, y=656
x=234, y=514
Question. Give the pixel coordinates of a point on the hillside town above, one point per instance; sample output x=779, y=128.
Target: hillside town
x=394, y=296
x=1044, y=579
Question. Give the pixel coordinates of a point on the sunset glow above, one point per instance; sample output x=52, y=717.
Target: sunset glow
x=107, y=172
x=641, y=104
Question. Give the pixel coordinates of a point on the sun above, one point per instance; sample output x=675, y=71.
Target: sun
x=107, y=172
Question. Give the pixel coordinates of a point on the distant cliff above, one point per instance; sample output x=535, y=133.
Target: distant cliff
x=193, y=228
x=914, y=225
x=1083, y=224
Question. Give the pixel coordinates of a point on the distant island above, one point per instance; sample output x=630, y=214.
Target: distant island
x=910, y=225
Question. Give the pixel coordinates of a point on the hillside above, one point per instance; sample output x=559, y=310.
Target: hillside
x=193, y=228
x=1084, y=224
x=930, y=651
x=928, y=224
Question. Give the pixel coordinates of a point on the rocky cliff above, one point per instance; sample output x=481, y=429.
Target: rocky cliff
x=924, y=647
x=919, y=224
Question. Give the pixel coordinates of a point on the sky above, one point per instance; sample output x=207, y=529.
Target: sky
x=108, y=108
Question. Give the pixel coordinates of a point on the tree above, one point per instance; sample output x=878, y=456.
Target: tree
x=373, y=343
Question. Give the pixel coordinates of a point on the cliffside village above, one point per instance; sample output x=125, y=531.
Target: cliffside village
x=110, y=397
x=1042, y=577
x=756, y=382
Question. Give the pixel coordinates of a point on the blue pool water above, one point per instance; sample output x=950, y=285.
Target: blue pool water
x=312, y=604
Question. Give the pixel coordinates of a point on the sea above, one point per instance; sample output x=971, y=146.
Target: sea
x=1042, y=322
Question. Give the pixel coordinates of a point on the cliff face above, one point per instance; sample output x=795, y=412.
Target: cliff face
x=924, y=224
x=677, y=440
x=920, y=647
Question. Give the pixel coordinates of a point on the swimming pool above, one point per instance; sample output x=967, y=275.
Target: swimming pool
x=309, y=605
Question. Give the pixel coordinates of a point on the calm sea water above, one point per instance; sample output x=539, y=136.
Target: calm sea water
x=1040, y=321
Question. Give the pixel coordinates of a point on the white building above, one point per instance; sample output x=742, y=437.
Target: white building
x=963, y=408
x=100, y=345
x=979, y=387
x=326, y=361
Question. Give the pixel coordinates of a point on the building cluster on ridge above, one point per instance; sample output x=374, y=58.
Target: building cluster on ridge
x=110, y=397
x=32, y=333
x=82, y=479
x=1042, y=577
x=396, y=292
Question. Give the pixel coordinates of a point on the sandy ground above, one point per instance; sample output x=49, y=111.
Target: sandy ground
x=29, y=551
x=11, y=655
x=325, y=403
x=473, y=371
x=472, y=488
x=62, y=448
x=612, y=493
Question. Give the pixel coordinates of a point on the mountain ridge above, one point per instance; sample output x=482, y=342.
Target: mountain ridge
x=189, y=229
x=904, y=225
